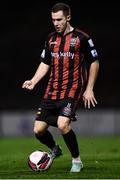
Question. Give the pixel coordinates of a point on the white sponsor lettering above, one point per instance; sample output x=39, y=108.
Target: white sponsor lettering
x=62, y=54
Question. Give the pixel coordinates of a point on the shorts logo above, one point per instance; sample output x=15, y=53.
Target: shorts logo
x=39, y=111
x=67, y=110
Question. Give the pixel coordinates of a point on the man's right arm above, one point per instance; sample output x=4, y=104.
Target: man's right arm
x=39, y=74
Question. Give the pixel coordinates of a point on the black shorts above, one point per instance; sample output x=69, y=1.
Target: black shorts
x=49, y=110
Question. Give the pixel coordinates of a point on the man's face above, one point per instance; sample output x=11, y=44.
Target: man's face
x=59, y=21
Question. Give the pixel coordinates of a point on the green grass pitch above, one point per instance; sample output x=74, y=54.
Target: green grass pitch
x=100, y=155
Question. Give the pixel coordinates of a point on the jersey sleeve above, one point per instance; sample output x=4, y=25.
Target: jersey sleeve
x=88, y=49
x=45, y=56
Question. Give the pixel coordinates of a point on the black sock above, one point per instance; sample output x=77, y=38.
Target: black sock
x=71, y=142
x=46, y=139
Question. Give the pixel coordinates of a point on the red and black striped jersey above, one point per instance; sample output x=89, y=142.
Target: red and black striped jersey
x=69, y=56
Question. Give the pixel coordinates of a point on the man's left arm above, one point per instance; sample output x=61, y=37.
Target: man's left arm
x=88, y=95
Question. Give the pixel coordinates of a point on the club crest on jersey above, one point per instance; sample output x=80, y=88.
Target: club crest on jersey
x=73, y=42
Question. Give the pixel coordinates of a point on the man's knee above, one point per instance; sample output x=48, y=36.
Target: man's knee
x=64, y=124
x=40, y=127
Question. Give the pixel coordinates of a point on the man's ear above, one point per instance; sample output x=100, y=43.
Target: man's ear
x=68, y=17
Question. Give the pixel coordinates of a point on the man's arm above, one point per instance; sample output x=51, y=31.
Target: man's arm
x=88, y=95
x=39, y=74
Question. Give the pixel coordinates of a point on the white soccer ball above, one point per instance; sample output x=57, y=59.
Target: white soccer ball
x=39, y=160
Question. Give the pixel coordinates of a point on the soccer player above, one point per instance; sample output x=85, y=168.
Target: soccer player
x=72, y=59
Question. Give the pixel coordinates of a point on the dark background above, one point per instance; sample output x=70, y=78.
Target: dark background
x=23, y=28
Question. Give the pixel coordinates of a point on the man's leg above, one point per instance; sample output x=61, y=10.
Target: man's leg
x=71, y=142
x=46, y=138
x=42, y=134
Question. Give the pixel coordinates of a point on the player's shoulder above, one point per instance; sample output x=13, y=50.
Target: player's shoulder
x=82, y=33
x=51, y=34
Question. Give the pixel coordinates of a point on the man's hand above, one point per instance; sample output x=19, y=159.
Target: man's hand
x=28, y=85
x=89, y=98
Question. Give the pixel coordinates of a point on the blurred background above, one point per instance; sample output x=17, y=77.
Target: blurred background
x=24, y=27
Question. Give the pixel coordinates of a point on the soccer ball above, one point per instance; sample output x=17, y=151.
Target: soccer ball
x=39, y=160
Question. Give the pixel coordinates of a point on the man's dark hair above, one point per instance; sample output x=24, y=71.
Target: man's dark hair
x=62, y=7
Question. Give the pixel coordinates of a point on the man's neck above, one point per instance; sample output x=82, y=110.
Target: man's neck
x=68, y=29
